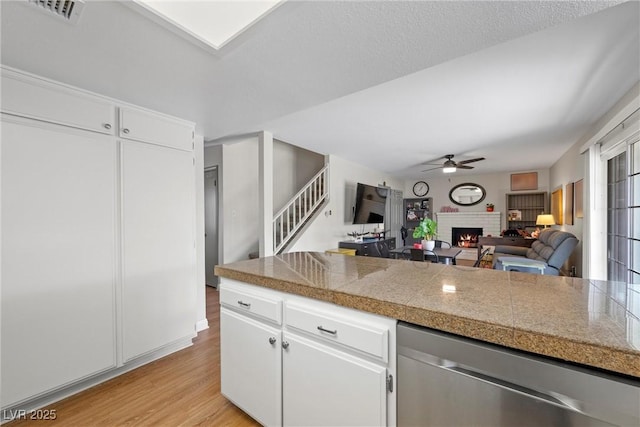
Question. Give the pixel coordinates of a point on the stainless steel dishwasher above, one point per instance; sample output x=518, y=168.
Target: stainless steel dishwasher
x=447, y=380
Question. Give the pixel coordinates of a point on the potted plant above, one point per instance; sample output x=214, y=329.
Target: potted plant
x=426, y=231
x=489, y=207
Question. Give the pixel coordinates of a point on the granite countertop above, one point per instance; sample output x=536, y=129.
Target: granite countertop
x=594, y=323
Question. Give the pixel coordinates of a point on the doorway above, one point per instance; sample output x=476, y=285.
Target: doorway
x=211, y=224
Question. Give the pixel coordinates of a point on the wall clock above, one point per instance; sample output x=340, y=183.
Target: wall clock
x=420, y=188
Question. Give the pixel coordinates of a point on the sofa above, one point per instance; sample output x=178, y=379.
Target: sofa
x=545, y=256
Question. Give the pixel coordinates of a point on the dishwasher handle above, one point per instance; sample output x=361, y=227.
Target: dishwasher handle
x=561, y=400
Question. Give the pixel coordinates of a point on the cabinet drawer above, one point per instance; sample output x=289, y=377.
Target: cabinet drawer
x=41, y=100
x=258, y=305
x=370, y=339
x=145, y=126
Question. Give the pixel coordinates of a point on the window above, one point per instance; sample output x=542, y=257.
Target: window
x=612, y=203
x=634, y=214
x=617, y=243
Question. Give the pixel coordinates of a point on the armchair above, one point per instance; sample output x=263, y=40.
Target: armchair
x=545, y=256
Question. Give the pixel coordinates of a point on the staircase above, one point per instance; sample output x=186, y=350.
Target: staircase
x=302, y=207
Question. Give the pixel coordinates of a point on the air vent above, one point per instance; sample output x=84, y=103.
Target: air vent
x=68, y=10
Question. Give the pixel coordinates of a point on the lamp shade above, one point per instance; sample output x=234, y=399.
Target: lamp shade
x=545, y=219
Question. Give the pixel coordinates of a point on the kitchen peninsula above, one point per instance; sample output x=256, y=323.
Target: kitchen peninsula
x=570, y=319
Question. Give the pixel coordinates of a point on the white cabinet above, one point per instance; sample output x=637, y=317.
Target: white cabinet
x=252, y=361
x=322, y=386
x=98, y=239
x=336, y=365
x=145, y=126
x=58, y=256
x=251, y=356
x=43, y=100
x=158, y=247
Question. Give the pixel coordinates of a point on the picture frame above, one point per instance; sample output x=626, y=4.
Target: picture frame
x=556, y=206
x=578, y=196
x=524, y=181
x=514, y=215
x=568, y=203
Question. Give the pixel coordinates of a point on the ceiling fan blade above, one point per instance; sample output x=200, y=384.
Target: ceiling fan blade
x=432, y=169
x=459, y=166
x=437, y=161
x=477, y=159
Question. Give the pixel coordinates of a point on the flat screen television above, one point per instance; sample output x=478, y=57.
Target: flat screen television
x=370, y=204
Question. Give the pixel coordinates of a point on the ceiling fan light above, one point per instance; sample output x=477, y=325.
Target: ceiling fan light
x=449, y=166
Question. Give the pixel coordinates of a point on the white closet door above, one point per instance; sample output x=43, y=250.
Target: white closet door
x=58, y=256
x=158, y=223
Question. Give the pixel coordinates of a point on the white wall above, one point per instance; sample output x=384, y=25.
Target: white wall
x=201, y=299
x=213, y=157
x=239, y=224
x=333, y=224
x=496, y=185
x=293, y=167
x=568, y=169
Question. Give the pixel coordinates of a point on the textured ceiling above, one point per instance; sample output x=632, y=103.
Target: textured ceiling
x=387, y=83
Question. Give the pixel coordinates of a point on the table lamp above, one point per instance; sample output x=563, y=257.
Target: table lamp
x=546, y=220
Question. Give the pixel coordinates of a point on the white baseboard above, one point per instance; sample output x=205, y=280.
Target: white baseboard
x=201, y=325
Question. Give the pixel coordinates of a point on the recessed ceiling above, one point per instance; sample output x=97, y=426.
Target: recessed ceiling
x=214, y=22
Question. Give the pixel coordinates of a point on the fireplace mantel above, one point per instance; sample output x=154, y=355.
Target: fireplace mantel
x=488, y=221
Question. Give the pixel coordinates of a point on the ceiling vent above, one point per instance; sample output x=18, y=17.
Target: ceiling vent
x=69, y=10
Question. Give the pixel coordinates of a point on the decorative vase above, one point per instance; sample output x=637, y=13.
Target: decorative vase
x=489, y=208
x=428, y=245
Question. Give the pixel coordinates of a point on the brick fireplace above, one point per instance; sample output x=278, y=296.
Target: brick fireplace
x=489, y=222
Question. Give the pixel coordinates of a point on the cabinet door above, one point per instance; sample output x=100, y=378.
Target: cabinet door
x=325, y=387
x=58, y=257
x=145, y=126
x=251, y=366
x=42, y=100
x=158, y=222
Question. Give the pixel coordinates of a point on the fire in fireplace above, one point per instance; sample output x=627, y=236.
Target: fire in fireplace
x=465, y=237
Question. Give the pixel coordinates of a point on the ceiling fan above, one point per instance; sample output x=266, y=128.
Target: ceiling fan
x=450, y=166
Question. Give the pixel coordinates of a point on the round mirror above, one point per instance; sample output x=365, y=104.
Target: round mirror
x=467, y=194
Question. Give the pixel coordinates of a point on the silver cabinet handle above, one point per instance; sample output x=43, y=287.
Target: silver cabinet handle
x=320, y=328
x=272, y=340
x=107, y=126
x=125, y=130
x=244, y=304
x=285, y=345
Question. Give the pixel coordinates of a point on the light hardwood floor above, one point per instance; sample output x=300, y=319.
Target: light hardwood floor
x=182, y=389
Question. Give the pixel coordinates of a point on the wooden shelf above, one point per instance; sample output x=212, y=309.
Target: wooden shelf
x=423, y=208
x=530, y=206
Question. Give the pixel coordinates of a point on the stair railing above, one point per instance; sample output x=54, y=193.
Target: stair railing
x=299, y=209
